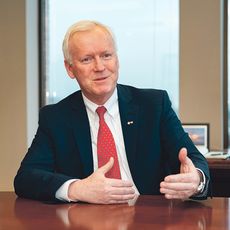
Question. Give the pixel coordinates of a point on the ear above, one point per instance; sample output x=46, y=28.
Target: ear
x=69, y=69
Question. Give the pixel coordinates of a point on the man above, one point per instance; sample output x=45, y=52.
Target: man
x=150, y=154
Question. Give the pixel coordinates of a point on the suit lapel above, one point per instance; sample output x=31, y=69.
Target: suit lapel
x=81, y=131
x=129, y=121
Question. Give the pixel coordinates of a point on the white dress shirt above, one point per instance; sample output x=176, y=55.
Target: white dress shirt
x=112, y=118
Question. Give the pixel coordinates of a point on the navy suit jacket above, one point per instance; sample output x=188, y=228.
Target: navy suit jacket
x=62, y=149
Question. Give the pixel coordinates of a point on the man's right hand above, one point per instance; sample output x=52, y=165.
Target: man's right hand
x=99, y=189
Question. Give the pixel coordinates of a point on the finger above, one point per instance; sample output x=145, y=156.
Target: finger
x=119, y=183
x=183, y=155
x=123, y=191
x=181, y=177
x=174, y=192
x=177, y=196
x=121, y=198
x=177, y=187
x=105, y=168
x=186, y=163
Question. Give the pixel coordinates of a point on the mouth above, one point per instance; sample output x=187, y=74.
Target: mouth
x=100, y=79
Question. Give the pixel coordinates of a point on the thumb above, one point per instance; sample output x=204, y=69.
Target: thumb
x=186, y=163
x=105, y=168
x=183, y=155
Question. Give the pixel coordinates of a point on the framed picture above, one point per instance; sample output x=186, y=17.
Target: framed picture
x=199, y=134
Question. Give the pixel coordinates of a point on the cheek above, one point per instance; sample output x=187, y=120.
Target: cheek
x=113, y=67
x=116, y=66
x=81, y=73
x=84, y=78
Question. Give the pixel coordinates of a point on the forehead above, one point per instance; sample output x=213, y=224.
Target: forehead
x=95, y=37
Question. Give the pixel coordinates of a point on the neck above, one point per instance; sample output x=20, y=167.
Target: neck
x=100, y=100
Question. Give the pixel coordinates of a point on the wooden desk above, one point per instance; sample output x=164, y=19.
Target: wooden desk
x=220, y=175
x=149, y=212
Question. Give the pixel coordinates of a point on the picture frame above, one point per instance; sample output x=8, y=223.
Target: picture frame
x=199, y=134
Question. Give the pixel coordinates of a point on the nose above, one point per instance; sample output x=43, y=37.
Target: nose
x=99, y=64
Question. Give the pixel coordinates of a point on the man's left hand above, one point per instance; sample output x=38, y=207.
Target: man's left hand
x=184, y=184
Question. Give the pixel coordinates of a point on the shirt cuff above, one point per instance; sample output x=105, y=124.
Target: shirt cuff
x=203, y=176
x=62, y=192
x=203, y=181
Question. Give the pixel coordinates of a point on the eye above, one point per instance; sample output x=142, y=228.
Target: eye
x=86, y=60
x=107, y=56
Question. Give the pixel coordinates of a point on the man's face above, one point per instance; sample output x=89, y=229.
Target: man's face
x=94, y=64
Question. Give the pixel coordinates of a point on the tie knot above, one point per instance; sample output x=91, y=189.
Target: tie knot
x=101, y=111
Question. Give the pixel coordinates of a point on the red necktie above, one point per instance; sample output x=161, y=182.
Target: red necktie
x=106, y=146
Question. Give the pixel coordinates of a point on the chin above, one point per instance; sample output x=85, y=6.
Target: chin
x=103, y=90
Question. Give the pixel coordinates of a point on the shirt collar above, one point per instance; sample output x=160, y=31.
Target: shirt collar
x=111, y=104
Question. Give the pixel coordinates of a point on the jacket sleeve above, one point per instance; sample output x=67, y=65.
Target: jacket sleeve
x=37, y=177
x=173, y=138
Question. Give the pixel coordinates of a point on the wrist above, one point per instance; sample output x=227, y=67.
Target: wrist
x=73, y=191
x=201, y=185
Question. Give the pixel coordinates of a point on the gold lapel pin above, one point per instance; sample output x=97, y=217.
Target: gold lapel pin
x=129, y=122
